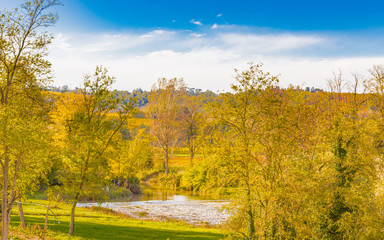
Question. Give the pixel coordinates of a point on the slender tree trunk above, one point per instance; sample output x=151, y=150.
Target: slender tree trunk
x=21, y=213
x=126, y=183
x=72, y=224
x=251, y=225
x=12, y=197
x=4, y=202
x=166, y=160
x=250, y=220
x=192, y=155
x=46, y=219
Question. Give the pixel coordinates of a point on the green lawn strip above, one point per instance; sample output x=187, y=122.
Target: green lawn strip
x=96, y=225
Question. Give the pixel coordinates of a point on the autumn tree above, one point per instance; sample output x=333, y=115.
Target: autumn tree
x=165, y=109
x=193, y=120
x=87, y=131
x=131, y=157
x=239, y=113
x=23, y=71
x=264, y=147
x=346, y=201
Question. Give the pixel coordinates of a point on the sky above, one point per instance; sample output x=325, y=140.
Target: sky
x=139, y=41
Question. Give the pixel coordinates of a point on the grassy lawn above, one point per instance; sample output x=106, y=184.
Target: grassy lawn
x=91, y=224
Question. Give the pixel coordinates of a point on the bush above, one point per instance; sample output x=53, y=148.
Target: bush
x=209, y=176
x=118, y=192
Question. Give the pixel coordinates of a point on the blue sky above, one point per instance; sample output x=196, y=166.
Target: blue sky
x=203, y=41
x=284, y=15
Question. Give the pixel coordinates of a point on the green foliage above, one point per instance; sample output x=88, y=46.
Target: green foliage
x=166, y=110
x=86, y=134
x=171, y=181
x=302, y=167
x=24, y=71
x=132, y=156
x=295, y=165
x=212, y=175
x=114, y=193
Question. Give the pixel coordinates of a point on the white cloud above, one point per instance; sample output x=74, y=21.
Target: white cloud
x=161, y=32
x=196, y=22
x=269, y=43
x=316, y=71
x=222, y=26
x=198, y=34
x=138, y=59
x=219, y=15
x=62, y=42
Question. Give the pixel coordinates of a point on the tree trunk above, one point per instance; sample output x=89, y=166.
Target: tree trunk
x=192, y=155
x=72, y=224
x=251, y=225
x=46, y=219
x=166, y=161
x=126, y=183
x=21, y=213
x=4, y=202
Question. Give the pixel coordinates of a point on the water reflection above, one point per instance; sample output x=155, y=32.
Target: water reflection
x=153, y=194
x=159, y=204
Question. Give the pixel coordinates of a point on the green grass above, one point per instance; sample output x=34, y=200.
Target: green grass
x=91, y=224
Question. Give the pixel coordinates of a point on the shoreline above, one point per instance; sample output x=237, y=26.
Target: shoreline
x=195, y=212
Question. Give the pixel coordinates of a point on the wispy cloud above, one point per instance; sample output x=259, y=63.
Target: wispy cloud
x=198, y=34
x=196, y=22
x=269, y=43
x=227, y=26
x=137, y=43
x=219, y=15
x=206, y=59
x=62, y=42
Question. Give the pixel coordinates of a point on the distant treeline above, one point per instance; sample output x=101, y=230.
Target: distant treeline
x=142, y=95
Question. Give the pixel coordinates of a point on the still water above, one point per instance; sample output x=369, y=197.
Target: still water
x=153, y=194
x=159, y=204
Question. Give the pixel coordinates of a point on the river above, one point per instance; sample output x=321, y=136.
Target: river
x=155, y=204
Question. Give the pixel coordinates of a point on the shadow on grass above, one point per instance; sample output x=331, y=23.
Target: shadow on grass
x=91, y=230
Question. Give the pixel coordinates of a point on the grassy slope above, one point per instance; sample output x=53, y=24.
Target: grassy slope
x=96, y=225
